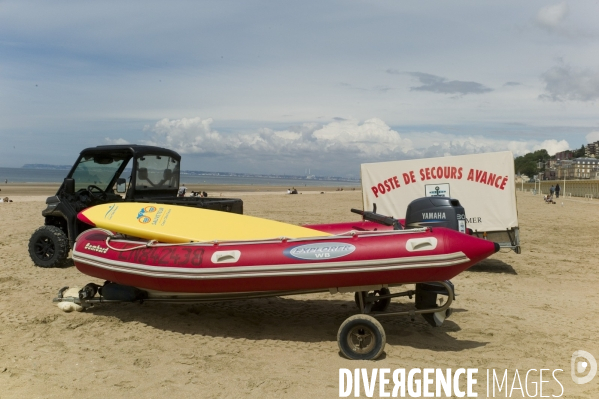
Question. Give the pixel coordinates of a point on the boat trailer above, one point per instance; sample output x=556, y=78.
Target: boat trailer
x=360, y=337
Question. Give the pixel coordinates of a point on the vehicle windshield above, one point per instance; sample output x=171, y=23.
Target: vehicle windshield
x=98, y=170
x=157, y=172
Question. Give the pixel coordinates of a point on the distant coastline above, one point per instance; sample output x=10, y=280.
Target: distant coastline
x=45, y=166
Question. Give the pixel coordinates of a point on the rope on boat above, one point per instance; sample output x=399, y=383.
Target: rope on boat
x=350, y=233
x=146, y=245
x=155, y=243
x=152, y=243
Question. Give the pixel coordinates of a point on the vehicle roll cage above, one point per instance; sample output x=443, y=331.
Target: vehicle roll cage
x=128, y=152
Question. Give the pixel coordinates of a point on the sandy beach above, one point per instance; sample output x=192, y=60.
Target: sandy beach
x=513, y=312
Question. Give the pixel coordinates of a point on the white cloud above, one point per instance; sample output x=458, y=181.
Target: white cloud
x=336, y=148
x=553, y=146
x=551, y=17
x=118, y=141
x=189, y=135
x=372, y=138
x=592, y=137
x=438, y=144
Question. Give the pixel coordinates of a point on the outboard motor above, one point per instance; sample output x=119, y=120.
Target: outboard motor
x=436, y=212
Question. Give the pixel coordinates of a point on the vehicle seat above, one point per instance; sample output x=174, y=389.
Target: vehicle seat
x=142, y=174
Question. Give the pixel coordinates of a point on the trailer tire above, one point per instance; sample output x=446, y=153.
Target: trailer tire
x=361, y=337
x=49, y=247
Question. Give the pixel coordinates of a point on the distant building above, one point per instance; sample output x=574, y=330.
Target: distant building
x=591, y=150
x=550, y=174
x=565, y=170
x=550, y=163
x=585, y=168
x=564, y=155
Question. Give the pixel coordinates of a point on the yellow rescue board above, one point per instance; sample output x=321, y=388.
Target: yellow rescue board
x=175, y=224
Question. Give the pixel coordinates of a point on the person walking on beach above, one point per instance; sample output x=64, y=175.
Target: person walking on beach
x=557, y=191
x=551, y=190
x=182, y=190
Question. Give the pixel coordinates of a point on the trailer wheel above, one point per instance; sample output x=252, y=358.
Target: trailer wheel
x=379, y=305
x=49, y=247
x=361, y=337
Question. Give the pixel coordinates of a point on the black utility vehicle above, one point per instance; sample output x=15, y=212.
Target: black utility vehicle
x=100, y=176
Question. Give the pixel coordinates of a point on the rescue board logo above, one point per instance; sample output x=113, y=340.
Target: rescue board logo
x=320, y=251
x=142, y=217
x=111, y=211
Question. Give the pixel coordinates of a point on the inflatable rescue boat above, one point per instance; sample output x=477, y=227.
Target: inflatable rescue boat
x=345, y=260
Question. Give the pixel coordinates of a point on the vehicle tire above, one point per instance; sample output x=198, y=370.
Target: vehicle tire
x=361, y=337
x=378, y=306
x=49, y=247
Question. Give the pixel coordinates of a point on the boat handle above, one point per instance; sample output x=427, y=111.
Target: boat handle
x=225, y=256
x=421, y=244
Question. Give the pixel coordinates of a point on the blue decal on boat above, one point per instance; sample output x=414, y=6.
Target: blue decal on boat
x=320, y=251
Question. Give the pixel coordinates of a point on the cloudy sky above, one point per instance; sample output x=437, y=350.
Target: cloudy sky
x=279, y=87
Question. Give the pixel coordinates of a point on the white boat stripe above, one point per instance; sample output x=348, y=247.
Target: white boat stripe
x=312, y=268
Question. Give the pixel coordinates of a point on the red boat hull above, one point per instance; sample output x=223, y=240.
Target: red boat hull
x=359, y=259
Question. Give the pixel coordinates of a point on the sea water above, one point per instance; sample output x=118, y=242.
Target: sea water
x=23, y=175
